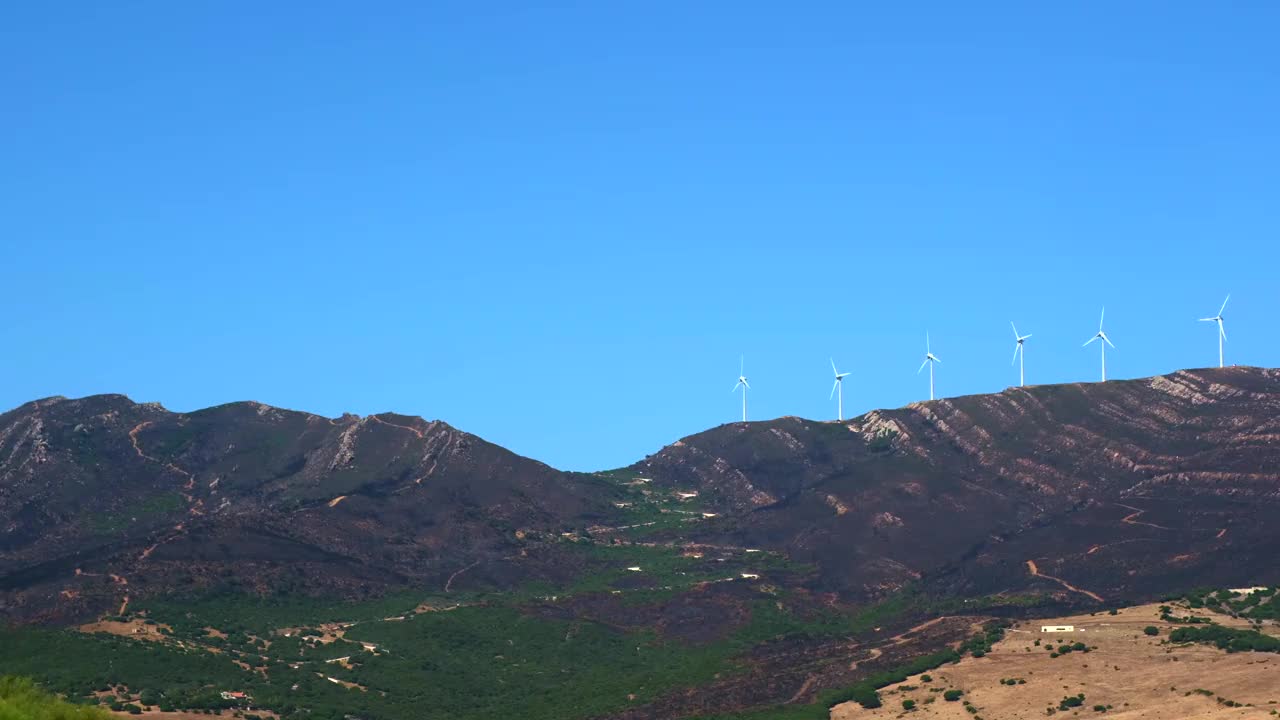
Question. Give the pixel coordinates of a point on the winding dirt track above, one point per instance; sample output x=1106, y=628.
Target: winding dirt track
x=413, y=430
x=1035, y=571
x=449, y=583
x=194, y=504
x=1130, y=519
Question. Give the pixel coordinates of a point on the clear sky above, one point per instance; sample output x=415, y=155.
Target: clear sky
x=559, y=226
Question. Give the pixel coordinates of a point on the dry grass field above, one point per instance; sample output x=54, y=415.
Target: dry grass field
x=1133, y=675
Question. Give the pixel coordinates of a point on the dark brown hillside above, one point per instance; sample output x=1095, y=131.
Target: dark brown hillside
x=1115, y=491
x=1120, y=489
x=102, y=493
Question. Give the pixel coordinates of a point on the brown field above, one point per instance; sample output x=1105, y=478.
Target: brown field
x=1132, y=672
x=136, y=629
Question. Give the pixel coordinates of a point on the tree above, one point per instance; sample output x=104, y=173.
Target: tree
x=1151, y=630
x=952, y=695
x=908, y=704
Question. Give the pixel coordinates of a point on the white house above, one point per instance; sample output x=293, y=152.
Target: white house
x=1057, y=628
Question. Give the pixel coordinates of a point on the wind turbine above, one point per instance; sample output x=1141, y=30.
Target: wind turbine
x=1020, y=351
x=742, y=383
x=929, y=359
x=1105, y=342
x=839, y=385
x=1222, y=331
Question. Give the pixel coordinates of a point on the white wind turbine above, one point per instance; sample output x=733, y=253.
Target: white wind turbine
x=1105, y=342
x=742, y=383
x=1020, y=352
x=1222, y=331
x=839, y=385
x=929, y=359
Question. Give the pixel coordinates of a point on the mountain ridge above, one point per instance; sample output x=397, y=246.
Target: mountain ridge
x=1028, y=487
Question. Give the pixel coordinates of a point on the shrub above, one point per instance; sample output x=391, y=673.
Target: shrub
x=1071, y=701
x=926, y=678
x=1099, y=708
x=908, y=704
x=952, y=695
x=1151, y=630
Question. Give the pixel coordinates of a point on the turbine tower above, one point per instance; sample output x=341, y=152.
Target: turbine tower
x=929, y=359
x=1020, y=352
x=1222, y=331
x=742, y=383
x=1105, y=342
x=839, y=385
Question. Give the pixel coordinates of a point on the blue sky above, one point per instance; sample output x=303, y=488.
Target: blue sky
x=559, y=226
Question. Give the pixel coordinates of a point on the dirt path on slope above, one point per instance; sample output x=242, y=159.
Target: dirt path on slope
x=1131, y=518
x=1035, y=571
x=194, y=504
x=449, y=583
x=413, y=430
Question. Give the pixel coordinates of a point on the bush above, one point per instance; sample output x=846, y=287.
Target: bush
x=1099, y=708
x=1071, y=701
x=926, y=678
x=20, y=698
x=908, y=704
x=1151, y=630
x=1228, y=639
x=952, y=695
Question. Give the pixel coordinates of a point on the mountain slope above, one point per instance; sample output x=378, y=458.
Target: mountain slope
x=252, y=495
x=1114, y=491
x=1117, y=488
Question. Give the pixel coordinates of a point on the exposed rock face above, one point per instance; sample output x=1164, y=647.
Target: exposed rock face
x=1116, y=490
x=1122, y=488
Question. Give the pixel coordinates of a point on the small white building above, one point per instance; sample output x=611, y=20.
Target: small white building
x=1057, y=628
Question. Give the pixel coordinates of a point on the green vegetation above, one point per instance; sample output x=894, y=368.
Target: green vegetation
x=1151, y=630
x=952, y=695
x=1229, y=639
x=1071, y=701
x=908, y=704
x=981, y=644
x=492, y=655
x=20, y=699
x=1260, y=604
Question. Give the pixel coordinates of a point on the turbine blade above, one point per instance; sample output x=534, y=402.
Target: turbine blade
x=834, y=385
x=1224, y=305
x=735, y=387
x=937, y=359
x=746, y=384
x=926, y=342
x=1108, y=341
x=1027, y=336
x=1222, y=329
x=1212, y=319
x=926, y=362
x=833, y=366
x=1015, y=328
x=1089, y=341
x=1102, y=317
x=1016, y=348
